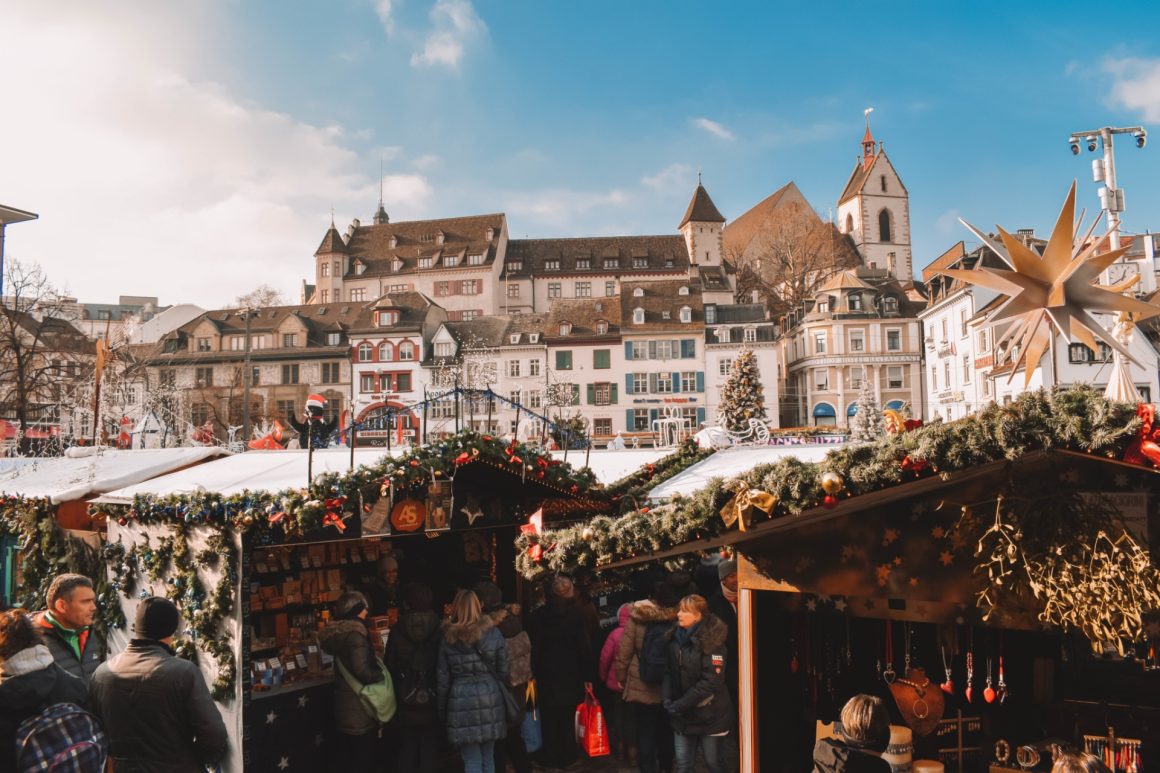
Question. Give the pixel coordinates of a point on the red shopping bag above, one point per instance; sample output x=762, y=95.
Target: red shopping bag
x=591, y=729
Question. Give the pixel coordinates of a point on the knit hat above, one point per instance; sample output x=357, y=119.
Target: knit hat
x=726, y=568
x=562, y=587
x=490, y=596
x=157, y=618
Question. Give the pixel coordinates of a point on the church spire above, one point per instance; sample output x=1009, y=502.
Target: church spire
x=868, y=142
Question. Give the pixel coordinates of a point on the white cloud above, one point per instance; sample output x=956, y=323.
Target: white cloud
x=673, y=176
x=1136, y=85
x=713, y=127
x=426, y=161
x=384, y=9
x=948, y=222
x=558, y=208
x=456, y=25
x=152, y=181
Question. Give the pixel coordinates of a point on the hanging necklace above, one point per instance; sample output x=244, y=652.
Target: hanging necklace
x=920, y=689
x=988, y=691
x=888, y=675
x=1002, y=691
x=948, y=686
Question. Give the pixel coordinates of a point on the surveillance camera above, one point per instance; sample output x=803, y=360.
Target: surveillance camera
x=1091, y=143
x=1075, y=148
x=1141, y=138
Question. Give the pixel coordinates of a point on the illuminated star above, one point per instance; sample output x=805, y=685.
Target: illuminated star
x=283, y=763
x=1050, y=295
x=472, y=515
x=270, y=718
x=947, y=557
x=938, y=532
x=812, y=605
x=1121, y=480
x=889, y=536
x=840, y=605
x=302, y=701
x=914, y=582
x=883, y=573
x=898, y=560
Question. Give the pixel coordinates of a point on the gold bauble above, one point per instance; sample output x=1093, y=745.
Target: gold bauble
x=587, y=534
x=831, y=482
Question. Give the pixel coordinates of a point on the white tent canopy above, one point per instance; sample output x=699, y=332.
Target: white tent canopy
x=253, y=471
x=610, y=466
x=730, y=463
x=84, y=472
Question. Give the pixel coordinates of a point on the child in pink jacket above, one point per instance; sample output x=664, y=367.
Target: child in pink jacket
x=618, y=732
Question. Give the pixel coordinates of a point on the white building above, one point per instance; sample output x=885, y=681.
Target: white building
x=874, y=209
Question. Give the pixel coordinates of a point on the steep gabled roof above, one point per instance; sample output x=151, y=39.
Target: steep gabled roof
x=701, y=209
x=846, y=280
x=740, y=233
x=331, y=243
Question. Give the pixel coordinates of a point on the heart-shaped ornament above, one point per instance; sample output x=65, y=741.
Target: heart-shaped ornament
x=968, y=693
x=989, y=695
x=948, y=687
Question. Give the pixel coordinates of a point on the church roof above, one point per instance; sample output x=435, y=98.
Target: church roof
x=332, y=242
x=701, y=209
x=846, y=280
x=857, y=179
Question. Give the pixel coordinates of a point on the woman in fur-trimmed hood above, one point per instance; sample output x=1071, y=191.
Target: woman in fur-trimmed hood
x=472, y=658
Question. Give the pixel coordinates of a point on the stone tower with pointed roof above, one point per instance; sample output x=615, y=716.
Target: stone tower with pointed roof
x=703, y=226
x=874, y=210
x=330, y=264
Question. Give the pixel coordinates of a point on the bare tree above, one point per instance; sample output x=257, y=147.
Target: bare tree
x=41, y=352
x=789, y=257
x=260, y=297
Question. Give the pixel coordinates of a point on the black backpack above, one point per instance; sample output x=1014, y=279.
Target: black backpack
x=415, y=691
x=654, y=654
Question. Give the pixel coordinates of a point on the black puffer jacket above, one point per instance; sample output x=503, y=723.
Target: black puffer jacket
x=86, y=666
x=470, y=703
x=29, y=682
x=347, y=641
x=157, y=711
x=695, y=680
x=412, y=653
x=833, y=756
x=562, y=658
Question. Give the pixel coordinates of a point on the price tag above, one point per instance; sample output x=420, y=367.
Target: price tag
x=259, y=666
x=290, y=665
x=312, y=649
x=327, y=660
x=301, y=660
x=274, y=663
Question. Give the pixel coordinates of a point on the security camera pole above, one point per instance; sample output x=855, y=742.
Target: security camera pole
x=1111, y=197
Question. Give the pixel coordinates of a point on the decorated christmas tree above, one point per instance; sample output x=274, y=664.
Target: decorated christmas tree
x=743, y=397
x=867, y=425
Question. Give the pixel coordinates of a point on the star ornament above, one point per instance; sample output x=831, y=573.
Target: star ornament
x=1053, y=293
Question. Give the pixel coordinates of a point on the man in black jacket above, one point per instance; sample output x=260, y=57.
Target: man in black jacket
x=156, y=709
x=66, y=625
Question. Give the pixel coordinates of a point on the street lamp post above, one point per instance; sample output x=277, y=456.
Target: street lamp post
x=246, y=378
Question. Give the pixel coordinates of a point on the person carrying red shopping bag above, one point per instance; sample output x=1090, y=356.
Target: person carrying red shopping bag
x=591, y=729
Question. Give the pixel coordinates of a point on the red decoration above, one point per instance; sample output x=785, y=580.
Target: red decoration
x=1145, y=449
x=830, y=502
x=277, y=517
x=408, y=515
x=536, y=553
x=913, y=465
x=333, y=519
x=462, y=458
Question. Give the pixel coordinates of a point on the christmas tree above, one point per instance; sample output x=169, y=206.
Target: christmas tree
x=743, y=397
x=867, y=425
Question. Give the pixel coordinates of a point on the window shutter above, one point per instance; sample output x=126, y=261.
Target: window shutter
x=575, y=394
x=628, y=350
x=613, y=395
x=592, y=394
x=677, y=381
x=652, y=383
x=652, y=350
x=675, y=347
x=653, y=415
x=700, y=381
x=628, y=383
x=700, y=416
x=628, y=423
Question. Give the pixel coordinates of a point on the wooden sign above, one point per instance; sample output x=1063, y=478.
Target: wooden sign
x=409, y=515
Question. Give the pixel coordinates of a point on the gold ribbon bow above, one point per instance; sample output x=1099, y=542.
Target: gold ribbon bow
x=737, y=508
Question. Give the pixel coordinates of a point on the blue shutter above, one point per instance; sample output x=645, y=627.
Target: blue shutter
x=653, y=415
x=613, y=396
x=700, y=381
x=628, y=383
x=628, y=420
x=700, y=416
x=688, y=347
x=628, y=350
x=677, y=381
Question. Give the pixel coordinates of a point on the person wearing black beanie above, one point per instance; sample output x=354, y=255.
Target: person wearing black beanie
x=155, y=706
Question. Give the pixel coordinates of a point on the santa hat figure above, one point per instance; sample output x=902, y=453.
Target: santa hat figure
x=315, y=404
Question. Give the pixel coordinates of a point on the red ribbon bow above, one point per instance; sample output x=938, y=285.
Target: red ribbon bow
x=333, y=519
x=277, y=517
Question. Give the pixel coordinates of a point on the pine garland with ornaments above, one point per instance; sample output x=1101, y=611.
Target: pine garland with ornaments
x=1077, y=418
x=743, y=396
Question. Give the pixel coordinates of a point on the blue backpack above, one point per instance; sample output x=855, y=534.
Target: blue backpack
x=63, y=738
x=654, y=654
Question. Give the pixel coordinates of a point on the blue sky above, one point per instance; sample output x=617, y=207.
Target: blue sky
x=195, y=152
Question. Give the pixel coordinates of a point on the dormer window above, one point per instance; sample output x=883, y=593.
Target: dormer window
x=723, y=335
x=514, y=338
x=388, y=318
x=612, y=263
x=686, y=314
x=601, y=327
x=425, y=262
x=640, y=262
x=890, y=305
x=565, y=328
x=490, y=233
x=750, y=335
x=475, y=260
x=854, y=302
x=551, y=265
x=638, y=316
x=444, y=349
x=451, y=261
x=583, y=264
x=394, y=242
x=668, y=262
x=824, y=306
x=683, y=291
x=638, y=292
x=515, y=265
x=396, y=265
x=360, y=267
x=534, y=338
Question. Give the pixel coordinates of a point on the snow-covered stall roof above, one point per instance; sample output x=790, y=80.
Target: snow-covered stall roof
x=83, y=472
x=731, y=462
x=609, y=466
x=253, y=471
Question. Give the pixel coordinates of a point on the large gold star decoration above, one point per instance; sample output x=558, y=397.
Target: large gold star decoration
x=1054, y=291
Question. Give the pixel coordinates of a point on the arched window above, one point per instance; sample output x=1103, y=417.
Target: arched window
x=601, y=327
x=406, y=351
x=686, y=314
x=565, y=328
x=849, y=224
x=638, y=292
x=365, y=352
x=386, y=352
x=890, y=304
x=884, y=226
x=638, y=316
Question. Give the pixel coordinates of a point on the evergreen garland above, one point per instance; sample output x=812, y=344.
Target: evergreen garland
x=629, y=491
x=743, y=397
x=1077, y=418
x=867, y=424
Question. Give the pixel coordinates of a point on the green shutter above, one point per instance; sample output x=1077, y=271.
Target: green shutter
x=700, y=381
x=613, y=396
x=628, y=383
x=601, y=359
x=652, y=350
x=700, y=416
x=575, y=394
x=592, y=394
x=628, y=350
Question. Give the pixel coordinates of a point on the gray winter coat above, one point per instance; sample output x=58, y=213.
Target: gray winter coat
x=347, y=641
x=470, y=704
x=157, y=711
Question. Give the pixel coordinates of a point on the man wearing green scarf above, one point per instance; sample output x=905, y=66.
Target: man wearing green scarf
x=65, y=625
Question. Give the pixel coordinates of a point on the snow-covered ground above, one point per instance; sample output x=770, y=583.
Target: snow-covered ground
x=609, y=466
x=88, y=471
x=732, y=462
x=254, y=471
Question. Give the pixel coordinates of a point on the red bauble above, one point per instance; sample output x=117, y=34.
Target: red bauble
x=830, y=502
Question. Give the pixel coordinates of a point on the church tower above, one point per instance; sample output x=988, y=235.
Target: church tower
x=702, y=227
x=874, y=210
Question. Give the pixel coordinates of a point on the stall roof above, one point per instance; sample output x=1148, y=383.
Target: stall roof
x=609, y=466
x=84, y=472
x=253, y=471
x=732, y=462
